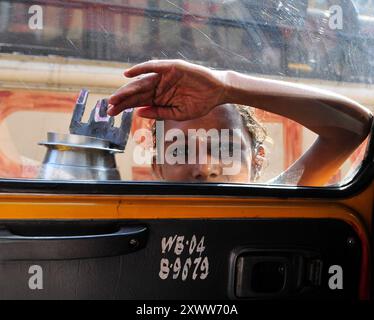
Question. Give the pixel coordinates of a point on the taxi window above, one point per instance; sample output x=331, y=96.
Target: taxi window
x=51, y=50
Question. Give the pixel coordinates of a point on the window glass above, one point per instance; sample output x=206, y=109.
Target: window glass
x=51, y=50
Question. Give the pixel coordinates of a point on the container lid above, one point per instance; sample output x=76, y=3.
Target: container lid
x=78, y=141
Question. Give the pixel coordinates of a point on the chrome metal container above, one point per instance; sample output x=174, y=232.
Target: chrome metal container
x=75, y=157
x=88, y=152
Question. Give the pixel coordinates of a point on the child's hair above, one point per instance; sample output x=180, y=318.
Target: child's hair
x=258, y=136
x=255, y=129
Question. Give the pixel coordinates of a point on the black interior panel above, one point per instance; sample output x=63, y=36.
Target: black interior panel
x=205, y=263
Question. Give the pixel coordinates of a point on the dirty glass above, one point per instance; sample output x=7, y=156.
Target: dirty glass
x=51, y=50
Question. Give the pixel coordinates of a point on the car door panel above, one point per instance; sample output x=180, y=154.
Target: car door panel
x=196, y=259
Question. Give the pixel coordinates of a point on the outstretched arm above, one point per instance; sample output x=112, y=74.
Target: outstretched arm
x=178, y=90
x=340, y=123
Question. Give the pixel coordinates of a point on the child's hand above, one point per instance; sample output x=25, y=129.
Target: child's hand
x=170, y=90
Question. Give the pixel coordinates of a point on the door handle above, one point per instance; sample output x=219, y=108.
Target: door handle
x=126, y=240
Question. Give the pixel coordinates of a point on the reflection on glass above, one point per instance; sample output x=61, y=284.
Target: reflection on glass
x=89, y=44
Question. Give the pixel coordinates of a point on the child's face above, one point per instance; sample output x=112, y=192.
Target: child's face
x=238, y=146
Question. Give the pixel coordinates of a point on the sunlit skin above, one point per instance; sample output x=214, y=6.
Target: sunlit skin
x=178, y=90
x=221, y=117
